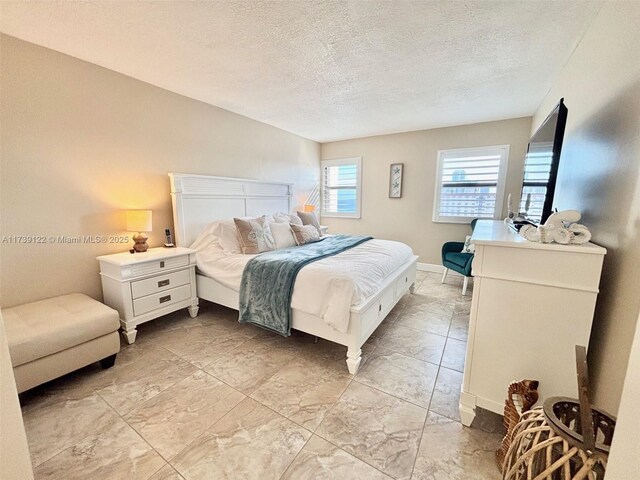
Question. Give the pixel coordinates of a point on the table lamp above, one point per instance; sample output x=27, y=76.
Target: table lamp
x=309, y=208
x=139, y=221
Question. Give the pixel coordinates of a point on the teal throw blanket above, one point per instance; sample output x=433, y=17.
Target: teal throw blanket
x=268, y=279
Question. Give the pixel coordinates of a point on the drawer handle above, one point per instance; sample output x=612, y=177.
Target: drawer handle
x=380, y=307
x=406, y=279
x=164, y=283
x=166, y=298
x=162, y=264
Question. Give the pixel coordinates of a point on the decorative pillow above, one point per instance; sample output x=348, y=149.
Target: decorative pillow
x=282, y=217
x=282, y=235
x=309, y=218
x=305, y=234
x=468, y=246
x=254, y=234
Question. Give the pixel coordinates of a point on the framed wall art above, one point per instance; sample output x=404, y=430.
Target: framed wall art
x=395, y=180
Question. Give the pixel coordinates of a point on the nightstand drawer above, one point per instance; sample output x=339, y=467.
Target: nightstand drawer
x=156, y=266
x=160, y=283
x=161, y=299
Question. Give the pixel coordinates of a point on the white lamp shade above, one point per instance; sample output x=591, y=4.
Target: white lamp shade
x=139, y=221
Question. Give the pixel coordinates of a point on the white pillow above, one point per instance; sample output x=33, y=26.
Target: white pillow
x=225, y=234
x=287, y=218
x=468, y=246
x=282, y=235
x=206, y=241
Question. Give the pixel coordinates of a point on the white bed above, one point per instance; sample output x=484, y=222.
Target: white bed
x=341, y=298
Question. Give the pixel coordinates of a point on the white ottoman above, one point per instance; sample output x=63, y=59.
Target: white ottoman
x=50, y=338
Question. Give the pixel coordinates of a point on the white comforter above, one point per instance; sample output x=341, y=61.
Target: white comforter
x=326, y=288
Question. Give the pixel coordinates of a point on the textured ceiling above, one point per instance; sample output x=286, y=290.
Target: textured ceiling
x=325, y=70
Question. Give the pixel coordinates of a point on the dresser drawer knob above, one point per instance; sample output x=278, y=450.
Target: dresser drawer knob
x=166, y=298
x=162, y=264
x=379, y=307
x=164, y=283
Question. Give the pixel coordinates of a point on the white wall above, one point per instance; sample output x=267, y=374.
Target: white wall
x=15, y=463
x=409, y=219
x=624, y=462
x=80, y=143
x=600, y=176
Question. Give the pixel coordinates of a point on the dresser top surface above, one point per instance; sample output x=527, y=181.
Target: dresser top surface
x=159, y=253
x=496, y=232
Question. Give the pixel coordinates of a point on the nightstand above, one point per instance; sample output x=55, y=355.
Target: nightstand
x=145, y=286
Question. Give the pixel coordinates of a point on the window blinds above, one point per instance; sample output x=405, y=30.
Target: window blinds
x=340, y=184
x=469, y=183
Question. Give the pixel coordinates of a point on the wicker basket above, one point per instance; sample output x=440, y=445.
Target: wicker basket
x=566, y=439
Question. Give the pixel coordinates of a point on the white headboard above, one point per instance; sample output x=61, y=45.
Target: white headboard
x=199, y=200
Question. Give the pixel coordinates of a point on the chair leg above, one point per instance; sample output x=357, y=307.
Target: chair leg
x=464, y=285
x=108, y=362
x=444, y=274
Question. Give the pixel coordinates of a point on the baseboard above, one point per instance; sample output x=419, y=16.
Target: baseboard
x=431, y=267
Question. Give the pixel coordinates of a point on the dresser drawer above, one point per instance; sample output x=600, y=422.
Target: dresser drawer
x=155, y=266
x=160, y=283
x=161, y=299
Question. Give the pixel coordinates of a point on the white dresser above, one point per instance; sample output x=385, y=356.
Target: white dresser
x=144, y=286
x=532, y=303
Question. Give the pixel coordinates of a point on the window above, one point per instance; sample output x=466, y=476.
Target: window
x=341, y=187
x=470, y=183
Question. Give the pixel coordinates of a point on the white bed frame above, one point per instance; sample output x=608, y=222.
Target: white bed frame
x=199, y=200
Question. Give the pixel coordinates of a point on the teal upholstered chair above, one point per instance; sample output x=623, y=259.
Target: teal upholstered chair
x=453, y=258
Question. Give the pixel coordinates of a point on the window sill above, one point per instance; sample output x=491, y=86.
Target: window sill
x=333, y=215
x=461, y=220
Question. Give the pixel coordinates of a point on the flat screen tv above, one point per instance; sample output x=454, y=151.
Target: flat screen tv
x=541, y=167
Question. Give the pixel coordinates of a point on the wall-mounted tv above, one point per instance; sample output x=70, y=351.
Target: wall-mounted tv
x=541, y=167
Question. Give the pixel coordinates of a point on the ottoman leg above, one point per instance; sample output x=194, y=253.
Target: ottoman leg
x=108, y=362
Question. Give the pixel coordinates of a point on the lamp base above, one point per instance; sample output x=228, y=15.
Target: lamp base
x=140, y=244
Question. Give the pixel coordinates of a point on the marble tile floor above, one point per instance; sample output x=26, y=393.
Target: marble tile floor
x=208, y=398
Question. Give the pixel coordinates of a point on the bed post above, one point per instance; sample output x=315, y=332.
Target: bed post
x=354, y=353
x=354, y=357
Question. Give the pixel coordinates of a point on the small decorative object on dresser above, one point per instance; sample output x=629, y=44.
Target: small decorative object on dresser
x=510, y=213
x=560, y=227
x=148, y=285
x=395, y=180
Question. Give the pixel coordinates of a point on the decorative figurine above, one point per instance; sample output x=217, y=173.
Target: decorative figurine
x=560, y=227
